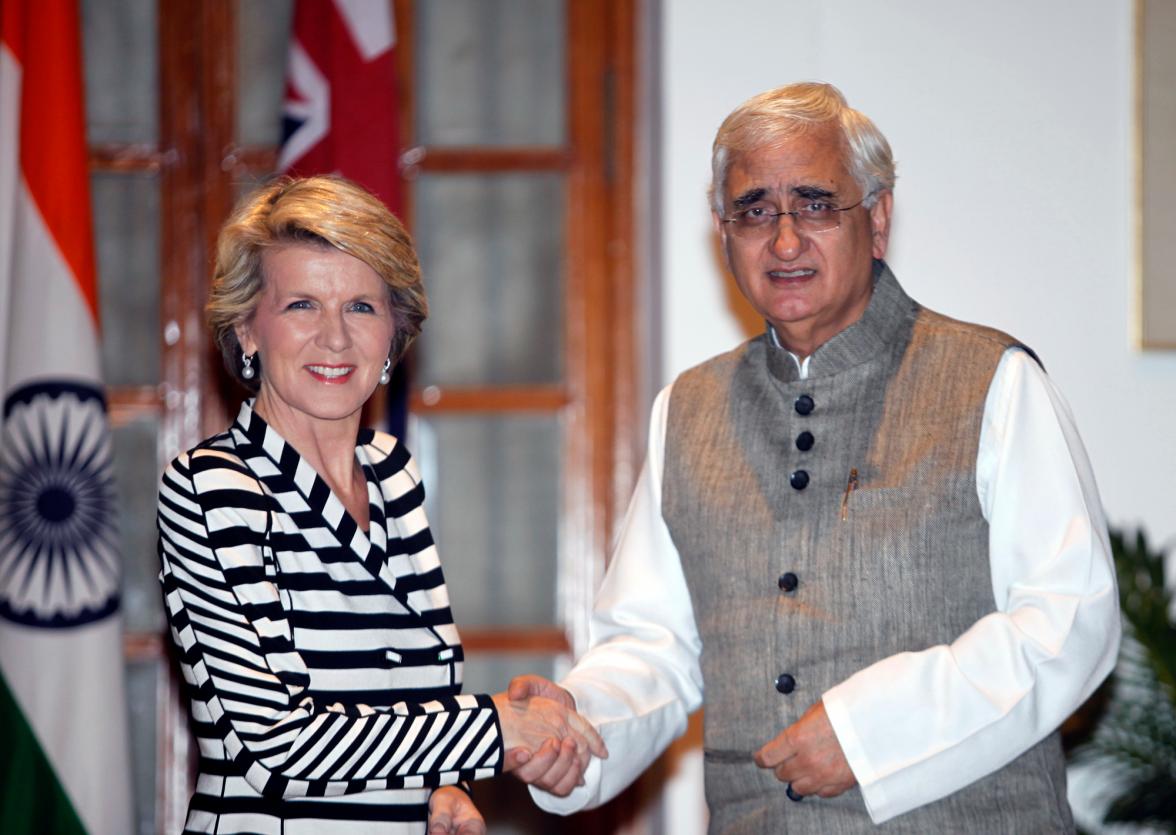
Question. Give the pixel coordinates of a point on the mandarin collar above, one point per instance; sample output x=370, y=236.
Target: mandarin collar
x=881, y=326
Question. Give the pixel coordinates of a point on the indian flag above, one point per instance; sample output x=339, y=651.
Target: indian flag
x=64, y=763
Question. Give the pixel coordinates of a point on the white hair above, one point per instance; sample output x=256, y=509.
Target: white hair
x=789, y=111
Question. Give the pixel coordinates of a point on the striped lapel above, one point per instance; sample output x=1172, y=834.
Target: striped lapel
x=412, y=562
x=305, y=495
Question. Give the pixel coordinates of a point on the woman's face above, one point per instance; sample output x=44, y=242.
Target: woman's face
x=322, y=327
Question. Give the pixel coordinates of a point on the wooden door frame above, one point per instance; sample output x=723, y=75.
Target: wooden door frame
x=197, y=162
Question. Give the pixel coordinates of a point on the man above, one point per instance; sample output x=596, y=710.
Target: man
x=871, y=536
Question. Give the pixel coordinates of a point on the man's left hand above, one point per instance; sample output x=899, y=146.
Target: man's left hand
x=808, y=756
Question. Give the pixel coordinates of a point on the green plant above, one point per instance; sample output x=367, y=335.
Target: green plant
x=1134, y=742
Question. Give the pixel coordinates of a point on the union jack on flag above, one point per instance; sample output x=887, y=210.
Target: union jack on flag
x=340, y=111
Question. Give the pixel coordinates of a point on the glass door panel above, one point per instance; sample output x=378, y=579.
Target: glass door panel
x=263, y=38
x=120, y=46
x=143, y=711
x=492, y=252
x=136, y=460
x=492, y=486
x=126, y=240
x=490, y=72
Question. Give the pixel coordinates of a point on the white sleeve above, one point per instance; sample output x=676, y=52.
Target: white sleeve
x=918, y=726
x=640, y=679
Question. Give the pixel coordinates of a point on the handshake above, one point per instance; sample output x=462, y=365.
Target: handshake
x=547, y=743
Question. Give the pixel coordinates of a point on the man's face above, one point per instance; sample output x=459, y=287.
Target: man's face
x=809, y=286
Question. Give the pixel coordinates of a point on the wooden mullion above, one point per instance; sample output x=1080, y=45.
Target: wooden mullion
x=589, y=365
x=183, y=360
x=126, y=404
x=218, y=96
x=485, y=159
x=626, y=418
x=600, y=240
x=434, y=399
x=126, y=158
x=133, y=396
x=252, y=160
x=523, y=639
x=405, y=18
x=258, y=159
x=182, y=232
x=139, y=647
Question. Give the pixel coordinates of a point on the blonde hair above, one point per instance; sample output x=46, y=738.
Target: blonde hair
x=322, y=211
x=789, y=111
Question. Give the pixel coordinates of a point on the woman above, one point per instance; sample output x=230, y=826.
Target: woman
x=300, y=579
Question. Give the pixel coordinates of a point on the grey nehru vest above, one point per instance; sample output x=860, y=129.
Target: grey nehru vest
x=825, y=524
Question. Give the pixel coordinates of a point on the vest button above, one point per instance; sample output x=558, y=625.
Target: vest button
x=805, y=441
x=785, y=683
x=799, y=479
x=804, y=405
x=788, y=582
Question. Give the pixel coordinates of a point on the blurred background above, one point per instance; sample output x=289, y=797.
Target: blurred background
x=551, y=159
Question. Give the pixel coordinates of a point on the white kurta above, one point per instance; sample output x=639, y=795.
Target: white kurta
x=916, y=726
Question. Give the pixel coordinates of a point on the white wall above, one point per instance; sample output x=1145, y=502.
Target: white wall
x=1013, y=126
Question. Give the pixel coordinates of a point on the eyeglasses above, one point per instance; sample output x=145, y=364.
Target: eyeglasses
x=761, y=221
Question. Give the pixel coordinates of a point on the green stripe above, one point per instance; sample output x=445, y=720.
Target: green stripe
x=32, y=801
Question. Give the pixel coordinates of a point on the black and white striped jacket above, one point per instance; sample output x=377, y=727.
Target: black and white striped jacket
x=322, y=663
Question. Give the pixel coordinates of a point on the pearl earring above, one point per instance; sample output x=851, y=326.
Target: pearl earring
x=386, y=374
x=247, y=372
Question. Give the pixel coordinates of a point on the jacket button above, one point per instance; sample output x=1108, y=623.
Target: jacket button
x=805, y=441
x=788, y=582
x=804, y=405
x=799, y=479
x=785, y=683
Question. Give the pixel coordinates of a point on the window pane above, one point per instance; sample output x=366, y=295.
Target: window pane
x=122, y=70
x=493, y=502
x=263, y=35
x=490, y=72
x=126, y=236
x=491, y=248
x=141, y=698
x=136, y=476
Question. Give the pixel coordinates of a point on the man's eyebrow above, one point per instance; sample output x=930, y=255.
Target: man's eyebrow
x=748, y=197
x=813, y=192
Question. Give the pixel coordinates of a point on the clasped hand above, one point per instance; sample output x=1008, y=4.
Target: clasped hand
x=548, y=744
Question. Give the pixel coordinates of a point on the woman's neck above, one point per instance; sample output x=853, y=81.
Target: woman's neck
x=327, y=445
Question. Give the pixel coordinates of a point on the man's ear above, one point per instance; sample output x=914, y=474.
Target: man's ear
x=721, y=231
x=880, y=224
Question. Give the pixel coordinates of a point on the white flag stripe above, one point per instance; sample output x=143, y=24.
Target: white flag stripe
x=50, y=332
x=370, y=25
x=315, y=93
x=61, y=719
x=10, y=76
